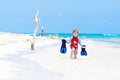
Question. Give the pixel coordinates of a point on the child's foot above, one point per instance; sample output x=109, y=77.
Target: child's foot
x=75, y=57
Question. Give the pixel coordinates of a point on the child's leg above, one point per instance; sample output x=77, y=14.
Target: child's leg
x=75, y=56
x=72, y=51
x=75, y=53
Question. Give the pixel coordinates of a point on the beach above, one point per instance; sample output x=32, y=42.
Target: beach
x=19, y=62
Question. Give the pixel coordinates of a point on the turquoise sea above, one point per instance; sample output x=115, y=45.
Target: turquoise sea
x=66, y=35
x=109, y=38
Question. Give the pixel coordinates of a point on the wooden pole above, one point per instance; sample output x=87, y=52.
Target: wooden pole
x=37, y=21
x=32, y=46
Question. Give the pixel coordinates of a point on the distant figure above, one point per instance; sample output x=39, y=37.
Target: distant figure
x=37, y=22
x=17, y=32
x=42, y=32
x=74, y=44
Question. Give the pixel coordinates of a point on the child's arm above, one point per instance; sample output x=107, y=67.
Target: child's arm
x=68, y=41
x=80, y=42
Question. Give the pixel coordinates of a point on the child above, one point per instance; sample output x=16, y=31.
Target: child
x=74, y=44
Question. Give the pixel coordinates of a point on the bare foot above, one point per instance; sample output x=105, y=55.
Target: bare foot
x=75, y=57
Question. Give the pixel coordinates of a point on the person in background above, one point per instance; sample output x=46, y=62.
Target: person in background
x=42, y=32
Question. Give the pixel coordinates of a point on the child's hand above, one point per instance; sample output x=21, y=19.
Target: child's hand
x=74, y=42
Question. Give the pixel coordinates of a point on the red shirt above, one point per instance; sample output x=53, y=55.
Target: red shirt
x=74, y=42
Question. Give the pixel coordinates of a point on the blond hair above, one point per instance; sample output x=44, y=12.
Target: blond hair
x=75, y=31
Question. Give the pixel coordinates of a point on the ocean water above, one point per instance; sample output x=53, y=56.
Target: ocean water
x=112, y=39
x=95, y=36
x=109, y=38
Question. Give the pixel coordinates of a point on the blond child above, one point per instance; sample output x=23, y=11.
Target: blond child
x=74, y=44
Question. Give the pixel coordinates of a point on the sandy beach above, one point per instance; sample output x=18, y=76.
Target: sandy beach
x=18, y=62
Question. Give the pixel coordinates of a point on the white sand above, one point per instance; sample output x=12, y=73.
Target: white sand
x=18, y=62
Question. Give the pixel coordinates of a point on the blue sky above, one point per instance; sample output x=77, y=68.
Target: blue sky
x=61, y=16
